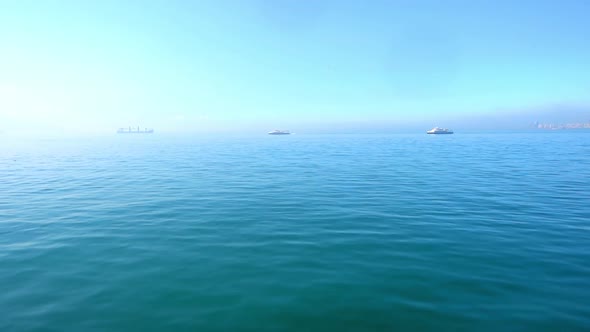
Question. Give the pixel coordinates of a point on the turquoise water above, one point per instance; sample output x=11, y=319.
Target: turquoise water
x=464, y=232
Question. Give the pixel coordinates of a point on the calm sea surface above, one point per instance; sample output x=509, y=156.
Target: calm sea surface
x=464, y=232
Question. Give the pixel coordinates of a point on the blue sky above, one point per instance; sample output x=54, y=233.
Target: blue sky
x=261, y=64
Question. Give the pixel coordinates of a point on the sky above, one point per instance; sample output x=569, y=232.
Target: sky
x=256, y=65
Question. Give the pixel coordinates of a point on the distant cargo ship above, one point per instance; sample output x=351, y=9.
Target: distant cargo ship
x=439, y=131
x=279, y=132
x=135, y=131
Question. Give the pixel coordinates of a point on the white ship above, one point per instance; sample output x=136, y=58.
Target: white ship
x=279, y=132
x=439, y=131
x=135, y=131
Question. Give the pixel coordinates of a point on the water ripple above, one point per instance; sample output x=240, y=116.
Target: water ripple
x=351, y=232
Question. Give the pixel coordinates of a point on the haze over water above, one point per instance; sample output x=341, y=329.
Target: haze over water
x=464, y=232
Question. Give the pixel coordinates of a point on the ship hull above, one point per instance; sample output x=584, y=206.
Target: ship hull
x=135, y=132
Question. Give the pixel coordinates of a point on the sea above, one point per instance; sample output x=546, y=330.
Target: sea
x=478, y=231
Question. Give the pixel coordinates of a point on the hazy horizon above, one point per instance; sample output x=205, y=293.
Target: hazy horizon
x=501, y=121
x=252, y=66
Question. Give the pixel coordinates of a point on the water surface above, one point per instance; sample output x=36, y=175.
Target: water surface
x=464, y=232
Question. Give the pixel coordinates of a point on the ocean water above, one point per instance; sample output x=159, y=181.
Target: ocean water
x=401, y=232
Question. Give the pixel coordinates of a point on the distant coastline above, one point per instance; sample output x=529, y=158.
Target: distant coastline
x=555, y=126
